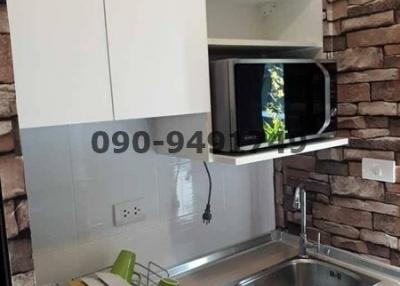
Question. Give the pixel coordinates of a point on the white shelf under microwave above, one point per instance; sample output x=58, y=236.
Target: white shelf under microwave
x=280, y=152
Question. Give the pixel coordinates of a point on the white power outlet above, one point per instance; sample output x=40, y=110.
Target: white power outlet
x=379, y=170
x=128, y=212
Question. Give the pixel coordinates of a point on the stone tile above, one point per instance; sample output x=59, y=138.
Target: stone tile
x=369, y=21
x=355, y=122
x=370, y=133
x=392, y=50
x=278, y=164
x=357, y=188
x=22, y=215
x=378, y=108
x=355, y=169
x=331, y=29
x=393, y=188
x=300, y=162
x=359, y=2
x=359, y=59
x=7, y=143
x=4, y=27
x=374, y=37
x=334, y=154
x=392, y=198
x=319, y=177
x=347, y=109
x=395, y=127
x=334, y=44
x=373, y=7
x=381, y=143
x=387, y=91
x=377, y=121
x=343, y=133
x=353, y=92
x=395, y=258
x=332, y=168
x=379, y=238
x=20, y=255
x=11, y=223
x=288, y=204
x=295, y=174
x=370, y=206
x=350, y=244
x=322, y=198
x=341, y=215
x=368, y=76
x=12, y=176
x=278, y=182
x=7, y=104
x=24, y=279
x=359, y=154
x=387, y=224
x=392, y=61
x=6, y=67
x=7, y=87
x=280, y=216
x=338, y=229
x=5, y=127
x=336, y=10
x=378, y=250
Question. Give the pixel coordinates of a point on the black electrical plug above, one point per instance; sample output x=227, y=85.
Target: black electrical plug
x=207, y=216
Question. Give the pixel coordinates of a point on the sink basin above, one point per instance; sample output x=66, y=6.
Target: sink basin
x=307, y=272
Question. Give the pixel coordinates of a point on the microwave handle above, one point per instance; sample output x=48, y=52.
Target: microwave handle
x=328, y=112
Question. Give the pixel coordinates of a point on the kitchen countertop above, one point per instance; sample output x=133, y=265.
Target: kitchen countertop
x=226, y=270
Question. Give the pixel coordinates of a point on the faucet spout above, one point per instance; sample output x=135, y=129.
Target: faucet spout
x=300, y=203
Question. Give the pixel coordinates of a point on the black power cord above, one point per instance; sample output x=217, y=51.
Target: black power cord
x=207, y=216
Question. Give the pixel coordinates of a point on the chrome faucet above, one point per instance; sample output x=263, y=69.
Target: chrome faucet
x=300, y=203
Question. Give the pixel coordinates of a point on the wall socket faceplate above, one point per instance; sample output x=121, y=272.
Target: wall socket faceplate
x=128, y=212
x=379, y=170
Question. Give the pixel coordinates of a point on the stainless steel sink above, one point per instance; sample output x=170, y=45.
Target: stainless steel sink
x=307, y=272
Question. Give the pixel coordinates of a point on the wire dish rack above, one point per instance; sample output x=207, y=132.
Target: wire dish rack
x=150, y=274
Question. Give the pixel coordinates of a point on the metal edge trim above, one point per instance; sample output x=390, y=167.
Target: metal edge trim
x=211, y=258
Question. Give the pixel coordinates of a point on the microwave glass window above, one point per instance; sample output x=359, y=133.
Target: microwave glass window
x=273, y=103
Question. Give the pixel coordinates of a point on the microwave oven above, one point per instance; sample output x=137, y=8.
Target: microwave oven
x=260, y=103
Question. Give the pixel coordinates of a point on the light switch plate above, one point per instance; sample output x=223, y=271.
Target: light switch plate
x=379, y=170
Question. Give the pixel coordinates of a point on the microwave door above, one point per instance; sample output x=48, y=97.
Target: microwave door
x=305, y=100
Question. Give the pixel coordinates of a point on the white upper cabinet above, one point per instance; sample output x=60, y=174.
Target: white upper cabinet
x=60, y=61
x=158, y=57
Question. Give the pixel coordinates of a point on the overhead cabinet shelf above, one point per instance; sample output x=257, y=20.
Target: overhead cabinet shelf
x=226, y=48
x=248, y=43
x=281, y=152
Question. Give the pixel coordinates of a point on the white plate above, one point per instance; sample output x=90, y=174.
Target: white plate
x=111, y=279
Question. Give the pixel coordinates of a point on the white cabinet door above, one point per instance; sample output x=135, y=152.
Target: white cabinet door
x=159, y=57
x=60, y=61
